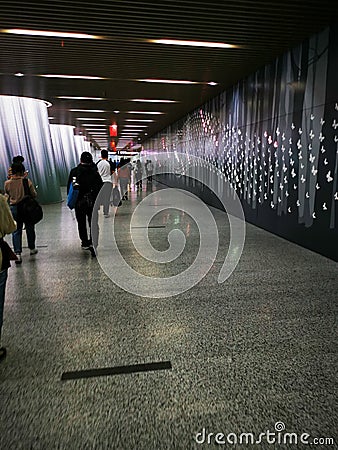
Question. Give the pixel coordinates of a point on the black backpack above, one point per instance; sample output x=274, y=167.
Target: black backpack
x=29, y=210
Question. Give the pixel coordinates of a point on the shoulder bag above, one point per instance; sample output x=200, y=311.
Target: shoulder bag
x=29, y=209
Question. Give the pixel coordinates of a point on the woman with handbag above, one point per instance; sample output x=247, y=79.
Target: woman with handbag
x=14, y=188
x=7, y=225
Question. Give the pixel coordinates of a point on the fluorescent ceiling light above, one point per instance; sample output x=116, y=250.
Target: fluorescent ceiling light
x=66, y=97
x=94, y=125
x=51, y=117
x=132, y=126
x=51, y=34
x=144, y=112
x=19, y=74
x=192, y=43
x=148, y=100
x=94, y=130
x=73, y=77
x=88, y=110
x=155, y=80
x=89, y=118
x=140, y=120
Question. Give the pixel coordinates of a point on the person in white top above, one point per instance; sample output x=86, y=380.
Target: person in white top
x=105, y=171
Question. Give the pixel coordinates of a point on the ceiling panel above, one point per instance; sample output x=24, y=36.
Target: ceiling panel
x=261, y=30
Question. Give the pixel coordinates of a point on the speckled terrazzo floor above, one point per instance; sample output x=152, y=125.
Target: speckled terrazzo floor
x=259, y=349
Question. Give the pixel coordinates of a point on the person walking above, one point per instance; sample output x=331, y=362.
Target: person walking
x=105, y=169
x=14, y=188
x=124, y=176
x=138, y=175
x=149, y=170
x=7, y=225
x=90, y=183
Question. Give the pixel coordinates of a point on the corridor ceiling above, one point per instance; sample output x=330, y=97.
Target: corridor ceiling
x=260, y=30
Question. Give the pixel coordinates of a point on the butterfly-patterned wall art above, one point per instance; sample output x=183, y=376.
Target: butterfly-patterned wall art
x=279, y=152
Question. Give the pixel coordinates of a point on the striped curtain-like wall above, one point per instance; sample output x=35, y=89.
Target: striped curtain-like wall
x=65, y=152
x=24, y=130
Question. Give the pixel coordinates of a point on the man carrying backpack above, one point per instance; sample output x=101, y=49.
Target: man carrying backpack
x=90, y=183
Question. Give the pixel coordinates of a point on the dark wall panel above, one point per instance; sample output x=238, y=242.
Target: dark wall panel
x=275, y=136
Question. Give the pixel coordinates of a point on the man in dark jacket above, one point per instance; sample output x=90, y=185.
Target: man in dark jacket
x=90, y=183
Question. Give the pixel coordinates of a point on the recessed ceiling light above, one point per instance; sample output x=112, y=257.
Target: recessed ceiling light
x=88, y=110
x=51, y=34
x=73, y=77
x=140, y=120
x=19, y=74
x=144, y=112
x=133, y=126
x=89, y=118
x=155, y=80
x=66, y=97
x=192, y=43
x=116, y=112
x=93, y=130
x=148, y=100
x=94, y=125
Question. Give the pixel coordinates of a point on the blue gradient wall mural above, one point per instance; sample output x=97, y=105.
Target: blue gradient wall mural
x=275, y=137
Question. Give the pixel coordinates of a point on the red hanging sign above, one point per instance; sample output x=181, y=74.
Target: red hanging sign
x=113, y=130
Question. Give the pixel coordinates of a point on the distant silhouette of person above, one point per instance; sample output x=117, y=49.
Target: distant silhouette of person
x=138, y=175
x=149, y=170
x=124, y=176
